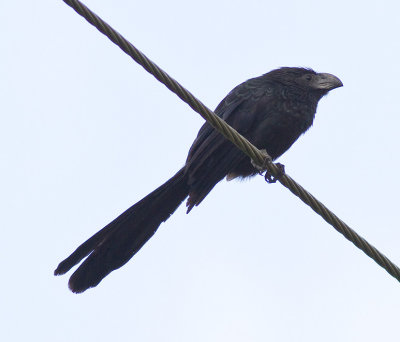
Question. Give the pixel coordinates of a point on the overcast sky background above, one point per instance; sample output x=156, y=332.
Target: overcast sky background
x=85, y=133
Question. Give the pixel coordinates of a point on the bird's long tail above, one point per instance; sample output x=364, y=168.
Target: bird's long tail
x=119, y=241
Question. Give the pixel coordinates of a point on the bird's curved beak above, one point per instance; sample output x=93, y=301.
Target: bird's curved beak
x=325, y=81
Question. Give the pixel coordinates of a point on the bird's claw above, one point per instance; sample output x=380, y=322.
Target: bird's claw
x=270, y=178
x=262, y=168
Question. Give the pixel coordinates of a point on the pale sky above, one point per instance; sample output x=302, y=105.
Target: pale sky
x=86, y=133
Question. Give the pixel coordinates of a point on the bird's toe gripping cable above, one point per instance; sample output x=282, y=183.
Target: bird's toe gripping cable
x=270, y=178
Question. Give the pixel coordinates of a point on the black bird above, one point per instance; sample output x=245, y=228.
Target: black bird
x=271, y=111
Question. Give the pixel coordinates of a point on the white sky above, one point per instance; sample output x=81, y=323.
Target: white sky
x=85, y=133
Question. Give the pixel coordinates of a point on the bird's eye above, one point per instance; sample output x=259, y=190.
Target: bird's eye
x=308, y=77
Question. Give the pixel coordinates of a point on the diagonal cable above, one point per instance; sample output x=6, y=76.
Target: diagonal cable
x=259, y=157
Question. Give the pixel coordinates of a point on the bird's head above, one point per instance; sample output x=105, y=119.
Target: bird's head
x=306, y=79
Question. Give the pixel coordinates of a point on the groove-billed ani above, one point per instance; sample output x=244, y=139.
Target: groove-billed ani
x=271, y=111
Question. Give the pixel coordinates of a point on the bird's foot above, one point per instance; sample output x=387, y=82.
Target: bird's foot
x=262, y=168
x=269, y=178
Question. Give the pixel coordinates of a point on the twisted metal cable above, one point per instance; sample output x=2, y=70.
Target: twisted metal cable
x=259, y=157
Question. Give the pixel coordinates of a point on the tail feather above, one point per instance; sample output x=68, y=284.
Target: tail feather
x=120, y=240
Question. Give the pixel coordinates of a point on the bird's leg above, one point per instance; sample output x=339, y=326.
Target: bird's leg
x=261, y=168
x=269, y=178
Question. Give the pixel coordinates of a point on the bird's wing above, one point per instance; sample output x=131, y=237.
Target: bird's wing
x=239, y=109
x=211, y=156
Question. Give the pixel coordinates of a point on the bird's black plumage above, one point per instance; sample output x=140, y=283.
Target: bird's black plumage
x=271, y=111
